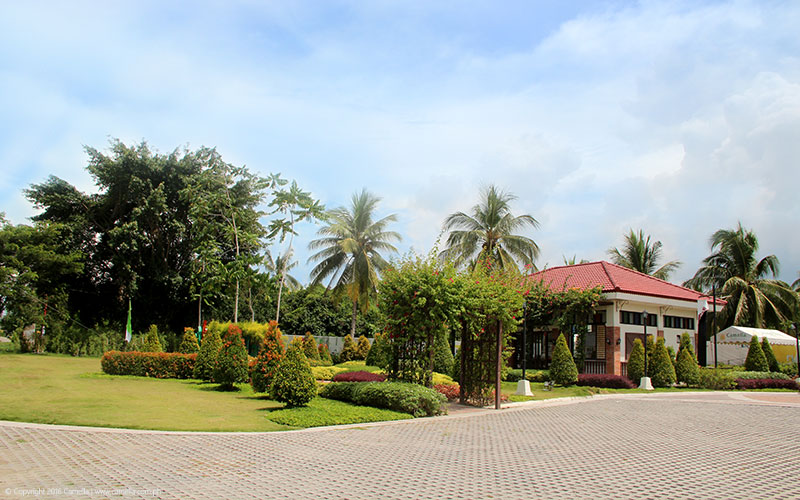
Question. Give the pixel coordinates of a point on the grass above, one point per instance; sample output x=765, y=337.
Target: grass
x=56, y=389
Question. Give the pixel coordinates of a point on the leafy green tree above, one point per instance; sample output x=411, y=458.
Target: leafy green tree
x=489, y=233
x=189, y=342
x=562, y=367
x=311, y=309
x=663, y=371
x=350, y=251
x=349, y=350
x=636, y=362
x=741, y=279
x=268, y=360
x=755, y=360
x=231, y=365
x=640, y=255
x=294, y=382
x=207, y=357
x=772, y=361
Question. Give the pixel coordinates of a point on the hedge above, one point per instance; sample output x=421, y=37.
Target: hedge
x=761, y=375
x=360, y=376
x=148, y=364
x=766, y=383
x=605, y=380
x=515, y=375
x=399, y=396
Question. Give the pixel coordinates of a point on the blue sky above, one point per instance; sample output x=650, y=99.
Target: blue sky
x=679, y=118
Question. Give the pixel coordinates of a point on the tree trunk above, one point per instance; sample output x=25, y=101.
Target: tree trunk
x=353, y=320
x=250, y=304
x=236, y=303
x=278, y=311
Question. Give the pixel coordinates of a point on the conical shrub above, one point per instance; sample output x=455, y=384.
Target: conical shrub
x=348, y=349
x=189, y=343
x=362, y=348
x=442, y=357
x=562, y=367
x=636, y=362
x=756, y=361
x=325, y=354
x=294, y=383
x=379, y=351
x=269, y=357
x=686, y=343
x=772, y=361
x=151, y=341
x=310, y=347
x=686, y=368
x=231, y=365
x=207, y=357
x=663, y=372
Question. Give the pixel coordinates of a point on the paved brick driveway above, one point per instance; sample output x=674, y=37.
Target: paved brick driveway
x=712, y=445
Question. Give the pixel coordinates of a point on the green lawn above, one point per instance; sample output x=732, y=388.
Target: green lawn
x=56, y=389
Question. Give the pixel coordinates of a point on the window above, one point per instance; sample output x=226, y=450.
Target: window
x=679, y=322
x=635, y=318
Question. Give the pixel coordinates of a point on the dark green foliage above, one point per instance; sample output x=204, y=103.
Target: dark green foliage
x=231, y=365
x=562, y=367
x=456, y=373
x=636, y=362
x=348, y=350
x=538, y=376
x=442, y=356
x=755, y=361
x=151, y=341
x=269, y=357
x=717, y=380
x=686, y=368
x=399, y=396
x=663, y=372
x=189, y=342
x=686, y=343
x=294, y=383
x=772, y=362
x=325, y=354
x=207, y=358
x=672, y=356
x=362, y=348
x=379, y=351
x=310, y=348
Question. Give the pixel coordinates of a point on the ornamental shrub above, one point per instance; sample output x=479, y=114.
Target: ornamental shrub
x=415, y=399
x=761, y=375
x=325, y=354
x=755, y=361
x=673, y=358
x=686, y=368
x=515, y=375
x=450, y=391
x=362, y=348
x=269, y=357
x=717, y=380
x=325, y=372
x=207, y=357
x=379, y=351
x=686, y=343
x=663, y=372
x=766, y=383
x=230, y=366
x=562, y=367
x=148, y=364
x=310, y=348
x=189, y=342
x=442, y=355
x=636, y=362
x=360, y=376
x=293, y=383
x=348, y=350
x=605, y=380
x=151, y=341
x=772, y=361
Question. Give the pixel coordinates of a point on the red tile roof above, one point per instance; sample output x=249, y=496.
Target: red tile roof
x=614, y=278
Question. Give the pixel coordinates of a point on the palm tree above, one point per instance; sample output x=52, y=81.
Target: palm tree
x=350, y=250
x=641, y=255
x=279, y=267
x=571, y=261
x=732, y=268
x=488, y=232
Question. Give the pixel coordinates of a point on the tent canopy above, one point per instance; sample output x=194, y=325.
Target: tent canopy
x=744, y=334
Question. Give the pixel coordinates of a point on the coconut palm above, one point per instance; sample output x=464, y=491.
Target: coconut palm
x=489, y=232
x=350, y=250
x=280, y=269
x=571, y=261
x=741, y=280
x=641, y=255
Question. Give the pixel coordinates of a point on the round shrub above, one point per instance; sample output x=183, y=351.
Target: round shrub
x=151, y=341
x=562, y=366
x=189, y=343
x=663, y=372
x=772, y=361
x=379, y=351
x=269, y=357
x=207, y=358
x=348, y=350
x=636, y=362
x=755, y=361
x=442, y=356
x=231, y=364
x=362, y=348
x=293, y=383
x=310, y=348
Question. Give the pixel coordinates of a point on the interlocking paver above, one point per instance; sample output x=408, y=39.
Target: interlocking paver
x=714, y=445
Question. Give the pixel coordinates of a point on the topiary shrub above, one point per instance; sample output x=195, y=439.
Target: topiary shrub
x=415, y=399
x=379, y=351
x=605, y=380
x=325, y=354
x=636, y=362
x=189, y=342
x=686, y=343
x=562, y=366
x=442, y=356
x=362, y=348
x=149, y=364
x=293, y=383
x=717, y=380
x=231, y=364
x=686, y=368
x=755, y=361
x=348, y=350
x=269, y=357
x=151, y=340
x=310, y=348
x=673, y=358
x=207, y=357
x=360, y=376
x=772, y=361
x=663, y=372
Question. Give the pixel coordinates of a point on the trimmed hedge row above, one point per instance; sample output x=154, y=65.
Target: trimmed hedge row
x=399, y=396
x=766, y=383
x=148, y=364
x=360, y=376
x=605, y=380
x=515, y=375
x=761, y=376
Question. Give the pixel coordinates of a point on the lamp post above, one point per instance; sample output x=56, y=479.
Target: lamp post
x=645, y=383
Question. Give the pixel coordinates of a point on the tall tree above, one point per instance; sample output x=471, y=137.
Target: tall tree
x=741, y=279
x=641, y=255
x=350, y=250
x=489, y=233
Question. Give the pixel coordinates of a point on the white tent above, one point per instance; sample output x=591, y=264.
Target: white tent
x=734, y=341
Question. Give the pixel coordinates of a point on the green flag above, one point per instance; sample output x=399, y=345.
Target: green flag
x=128, y=328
